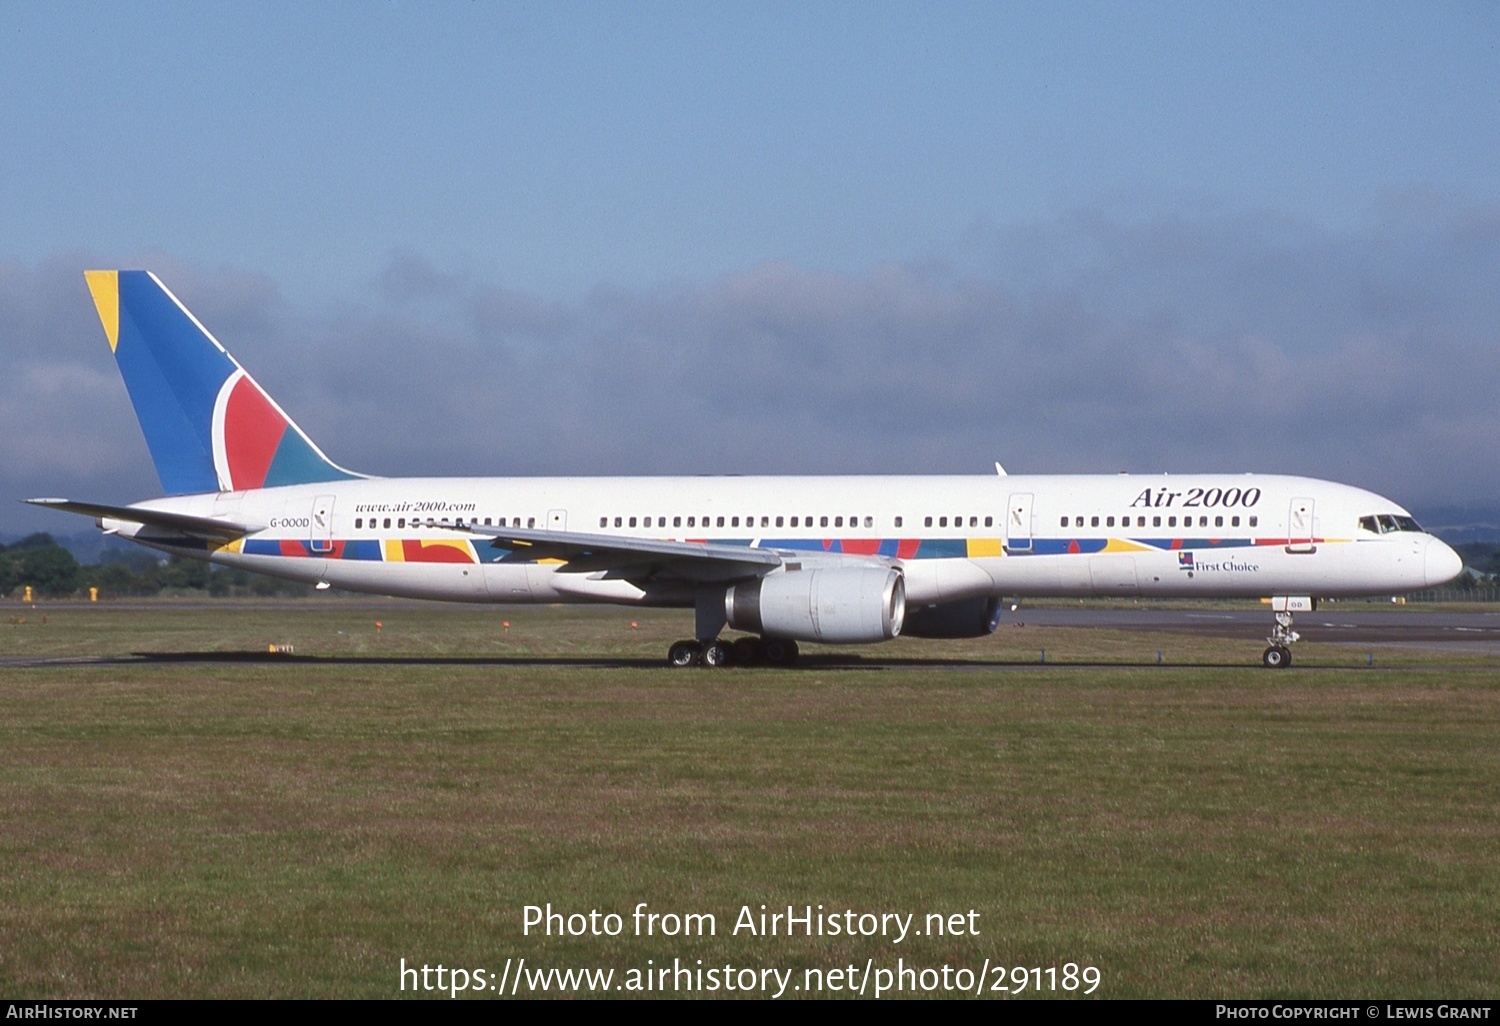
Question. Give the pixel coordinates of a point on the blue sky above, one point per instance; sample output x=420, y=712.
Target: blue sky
x=693, y=237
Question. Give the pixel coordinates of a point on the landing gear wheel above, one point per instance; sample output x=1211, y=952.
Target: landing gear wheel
x=715, y=653
x=684, y=653
x=779, y=652
x=1277, y=657
x=745, y=651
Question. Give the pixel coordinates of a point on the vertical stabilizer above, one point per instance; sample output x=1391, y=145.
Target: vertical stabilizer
x=208, y=425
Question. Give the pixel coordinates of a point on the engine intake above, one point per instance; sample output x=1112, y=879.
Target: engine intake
x=839, y=606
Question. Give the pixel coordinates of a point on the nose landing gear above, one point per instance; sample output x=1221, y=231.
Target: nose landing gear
x=1278, y=656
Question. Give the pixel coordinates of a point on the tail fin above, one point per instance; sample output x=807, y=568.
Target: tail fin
x=208, y=425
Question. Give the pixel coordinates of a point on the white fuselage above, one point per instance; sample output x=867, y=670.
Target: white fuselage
x=953, y=538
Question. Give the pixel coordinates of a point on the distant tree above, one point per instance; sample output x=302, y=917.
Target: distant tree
x=181, y=572
x=39, y=540
x=51, y=570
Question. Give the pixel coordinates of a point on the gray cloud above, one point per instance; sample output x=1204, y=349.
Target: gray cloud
x=1203, y=341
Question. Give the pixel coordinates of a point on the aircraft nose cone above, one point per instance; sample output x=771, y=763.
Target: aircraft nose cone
x=1441, y=564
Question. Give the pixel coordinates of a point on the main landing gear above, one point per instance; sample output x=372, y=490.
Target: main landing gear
x=709, y=650
x=742, y=652
x=1278, y=656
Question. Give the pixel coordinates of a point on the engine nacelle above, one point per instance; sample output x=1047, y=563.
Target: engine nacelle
x=966, y=618
x=836, y=606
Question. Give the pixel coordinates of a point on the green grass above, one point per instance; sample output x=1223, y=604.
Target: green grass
x=296, y=827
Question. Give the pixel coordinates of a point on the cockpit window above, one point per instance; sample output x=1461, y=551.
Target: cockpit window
x=1388, y=523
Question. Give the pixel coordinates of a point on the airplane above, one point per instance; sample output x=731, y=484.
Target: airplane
x=784, y=560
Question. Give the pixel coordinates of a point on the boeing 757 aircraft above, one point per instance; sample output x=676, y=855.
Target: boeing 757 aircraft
x=783, y=559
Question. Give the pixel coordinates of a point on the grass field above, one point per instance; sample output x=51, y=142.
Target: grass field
x=294, y=827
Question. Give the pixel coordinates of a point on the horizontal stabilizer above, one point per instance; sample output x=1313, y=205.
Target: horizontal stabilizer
x=206, y=527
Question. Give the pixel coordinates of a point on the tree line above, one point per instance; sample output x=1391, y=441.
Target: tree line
x=51, y=571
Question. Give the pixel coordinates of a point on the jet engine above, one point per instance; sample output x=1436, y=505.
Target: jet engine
x=966, y=618
x=835, y=606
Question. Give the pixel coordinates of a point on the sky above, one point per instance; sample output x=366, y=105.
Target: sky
x=576, y=238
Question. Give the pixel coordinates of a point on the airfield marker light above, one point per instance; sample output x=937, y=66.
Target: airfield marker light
x=379, y=626
x=1158, y=657
x=634, y=625
x=505, y=624
x=28, y=593
x=1044, y=655
x=93, y=594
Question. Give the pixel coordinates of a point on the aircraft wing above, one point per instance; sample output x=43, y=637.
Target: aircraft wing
x=628, y=558
x=186, y=523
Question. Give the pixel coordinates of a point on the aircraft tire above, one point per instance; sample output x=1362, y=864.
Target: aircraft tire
x=715, y=654
x=779, y=651
x=683, y=654
x=745, y=651
x=1277, y=657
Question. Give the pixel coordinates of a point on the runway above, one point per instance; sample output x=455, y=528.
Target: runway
x=1398, y=626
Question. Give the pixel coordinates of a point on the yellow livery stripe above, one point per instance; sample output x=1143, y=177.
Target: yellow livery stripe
x=105, y=285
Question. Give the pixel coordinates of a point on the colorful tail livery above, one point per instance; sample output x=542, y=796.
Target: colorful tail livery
x=208, y=425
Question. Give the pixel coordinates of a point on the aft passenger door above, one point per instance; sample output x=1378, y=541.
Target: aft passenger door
x=321, y=539
x=1300, y=530
x=1018, y=523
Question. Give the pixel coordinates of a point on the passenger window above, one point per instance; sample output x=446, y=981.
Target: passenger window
x=401, y=522
x=1093, y=521
x=735, y=522
x=1156, y=521
x=358, y=523
x=603, y=521
x=1203, y=521
x=765, y=521
x=617, y=521
x=869, y=521
x=822, y=521
x=973, y=521
x=1171, y=521
x=692, y=521
x=1065, y=521
x=778, y=521
x=531, y=521
x=1218, y=521
x=388, y=521
x=942, y=521
x=990, y=522
x=898, y=521
x=1109, y=522
x=1234, y=521
x=1255, y=521
x=676, y=521
x=632, y=521
x=927, y=522
x=838, y=521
